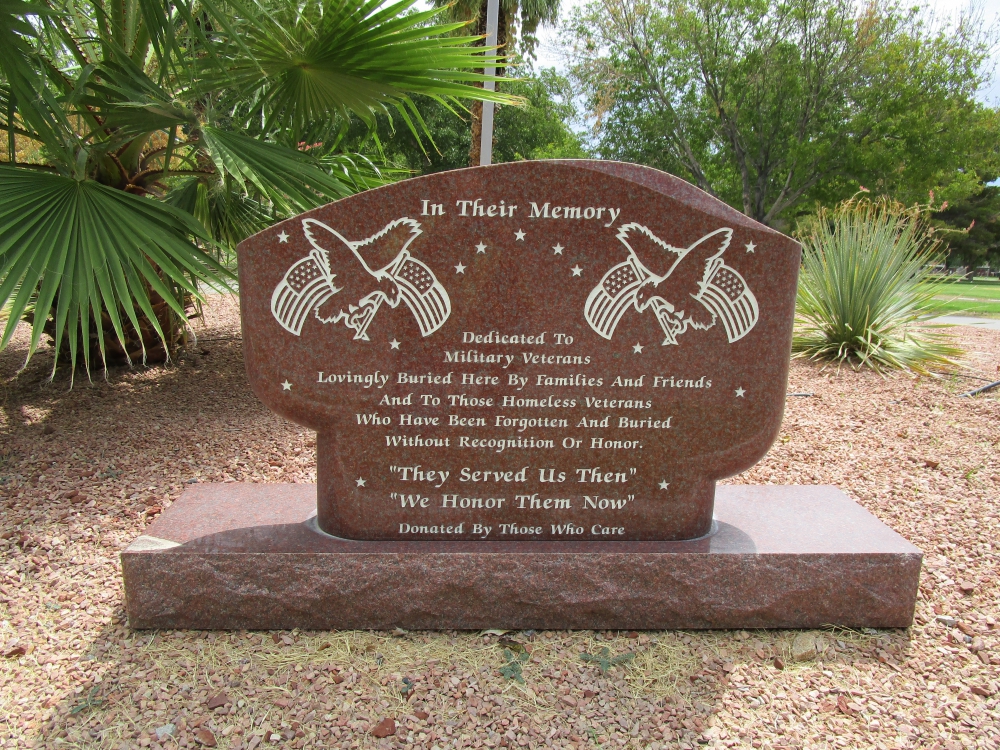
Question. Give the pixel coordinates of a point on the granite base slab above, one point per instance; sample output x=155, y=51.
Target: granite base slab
x=234, y=556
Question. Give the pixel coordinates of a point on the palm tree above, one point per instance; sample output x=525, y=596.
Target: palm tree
x=145, y=138
x=528, y=14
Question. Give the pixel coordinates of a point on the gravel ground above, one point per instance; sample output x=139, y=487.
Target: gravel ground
x=82, y=472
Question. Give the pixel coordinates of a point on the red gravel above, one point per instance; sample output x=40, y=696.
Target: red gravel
x=82, y=471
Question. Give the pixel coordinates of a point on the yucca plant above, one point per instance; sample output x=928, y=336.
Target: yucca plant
x=145, y=138
x=864, y=295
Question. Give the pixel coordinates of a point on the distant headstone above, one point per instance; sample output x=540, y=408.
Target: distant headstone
x=569, y=350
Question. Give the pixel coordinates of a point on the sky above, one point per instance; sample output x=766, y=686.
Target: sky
x=549, y=56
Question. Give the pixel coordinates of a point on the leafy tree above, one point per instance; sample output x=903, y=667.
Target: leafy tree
x=526, y=14
x=975, y=221
x=162, y=133
x=771, y=105
x=537, y=130
x=540, y=129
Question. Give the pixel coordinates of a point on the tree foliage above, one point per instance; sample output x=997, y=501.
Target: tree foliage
x=975, y=223
x=517, y=22
x=144, y=138
x=538, y=129
x=772, y=105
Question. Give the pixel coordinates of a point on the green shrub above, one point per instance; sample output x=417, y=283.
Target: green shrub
x=864, y=290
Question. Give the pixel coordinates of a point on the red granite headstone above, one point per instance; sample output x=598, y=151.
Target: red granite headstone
x=566, y=350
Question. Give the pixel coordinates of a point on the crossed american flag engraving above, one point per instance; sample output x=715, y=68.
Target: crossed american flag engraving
x=341, y=281
x=696, y=290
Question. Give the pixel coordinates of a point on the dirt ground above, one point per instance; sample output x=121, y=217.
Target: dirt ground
x=73, y=675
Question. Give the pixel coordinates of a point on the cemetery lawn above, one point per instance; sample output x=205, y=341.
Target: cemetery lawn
x=72, y=675
x=978, y=297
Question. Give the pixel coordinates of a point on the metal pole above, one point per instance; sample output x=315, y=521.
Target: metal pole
x=486, y=145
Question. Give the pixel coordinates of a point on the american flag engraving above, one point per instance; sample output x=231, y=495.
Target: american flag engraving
x=610, y=299
x=726, y=293
x=369, y=272
x=306, y=285
x=422, y=293
x=693, y=274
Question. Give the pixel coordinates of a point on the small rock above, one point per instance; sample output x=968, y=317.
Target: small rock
x=422, y=715
x=948, y=622
x=71, y=494
x=980, y=690
x=931, y=464
x=804, y=647
x=589, y=693
x=967, y=587
x=385, y=728
x=569, y=700
x=48, y=429
x=217, y=701
x=779, y=663
x=167, y=730
x=844, y=706
x=204, y=737
x=15, y=653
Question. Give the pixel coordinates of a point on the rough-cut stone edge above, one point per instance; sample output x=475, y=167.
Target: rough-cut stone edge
x=145, y=543
x=286, y=575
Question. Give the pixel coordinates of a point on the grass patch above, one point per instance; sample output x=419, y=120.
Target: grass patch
x=978, y=297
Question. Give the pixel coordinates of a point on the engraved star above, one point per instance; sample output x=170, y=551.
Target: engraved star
x=750, y=247
x=558, y=249
x=481, y=248
x=576, y=270
x=286, y=386
x=360, y=482
x=283, y=237
x=740, y=392
x=664, y=484
x=519, y=234
x=394, y=344
x=637, y=348
x=459, y=268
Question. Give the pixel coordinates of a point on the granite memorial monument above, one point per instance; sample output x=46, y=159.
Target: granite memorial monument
x=526, y=381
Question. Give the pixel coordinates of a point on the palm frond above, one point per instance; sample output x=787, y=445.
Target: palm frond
x=228, y=216
x=359, y=57
x=79, y=249
x=132, y=103
x=292, y=180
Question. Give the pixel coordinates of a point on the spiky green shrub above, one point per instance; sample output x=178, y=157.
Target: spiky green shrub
x=864, y=295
